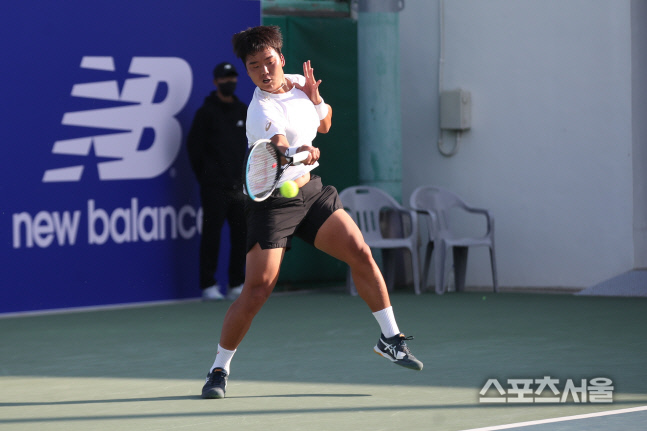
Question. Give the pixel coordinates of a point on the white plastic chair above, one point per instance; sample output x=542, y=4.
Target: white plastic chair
x=365, y=205
x=435, y=203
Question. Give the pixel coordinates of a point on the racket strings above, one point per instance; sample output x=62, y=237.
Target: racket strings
x=262, y=170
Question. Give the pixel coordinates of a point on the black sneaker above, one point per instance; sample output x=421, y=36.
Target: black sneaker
x=395, y=350
x=216, y=384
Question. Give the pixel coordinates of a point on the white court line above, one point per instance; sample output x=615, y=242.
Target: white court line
x=109, y=307
x=563, y=419
x=90, y=308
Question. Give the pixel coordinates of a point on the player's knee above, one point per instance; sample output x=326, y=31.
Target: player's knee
x=361, y=255
x=256, y=294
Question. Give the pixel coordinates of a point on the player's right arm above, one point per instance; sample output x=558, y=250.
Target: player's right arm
x=282, y=143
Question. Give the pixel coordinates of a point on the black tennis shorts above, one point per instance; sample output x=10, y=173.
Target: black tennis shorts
x=273, y=222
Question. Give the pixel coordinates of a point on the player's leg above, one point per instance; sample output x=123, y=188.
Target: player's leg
x=340, y=237
x=270, y=226
x=261, y=275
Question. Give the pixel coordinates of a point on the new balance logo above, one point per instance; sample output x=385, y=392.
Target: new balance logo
x=130, y=157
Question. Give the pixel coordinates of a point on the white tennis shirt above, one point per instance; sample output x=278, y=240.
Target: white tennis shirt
x=291, y=114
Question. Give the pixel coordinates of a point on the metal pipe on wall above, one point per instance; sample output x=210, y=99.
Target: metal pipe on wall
x=380, y=122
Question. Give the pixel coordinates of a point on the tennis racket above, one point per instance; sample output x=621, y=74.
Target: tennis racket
x=263, y=168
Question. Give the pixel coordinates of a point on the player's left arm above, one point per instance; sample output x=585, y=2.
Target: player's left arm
x=311, y=89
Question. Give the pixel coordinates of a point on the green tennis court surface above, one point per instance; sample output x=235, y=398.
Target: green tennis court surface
x=307, y=364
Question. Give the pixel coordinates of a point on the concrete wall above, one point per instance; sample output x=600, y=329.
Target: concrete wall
x=551, y=144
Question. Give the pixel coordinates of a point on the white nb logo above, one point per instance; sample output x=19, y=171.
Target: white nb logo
x=130, y=161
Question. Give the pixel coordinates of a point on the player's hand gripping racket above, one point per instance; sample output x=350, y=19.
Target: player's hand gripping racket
x=263, y=169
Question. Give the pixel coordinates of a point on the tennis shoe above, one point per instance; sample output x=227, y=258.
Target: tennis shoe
x=216, y=384
x=395, y=349
x=212, y=293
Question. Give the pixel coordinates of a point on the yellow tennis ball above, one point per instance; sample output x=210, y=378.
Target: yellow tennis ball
x=289, y=189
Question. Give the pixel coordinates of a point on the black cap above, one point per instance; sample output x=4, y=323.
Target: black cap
x=224, y=69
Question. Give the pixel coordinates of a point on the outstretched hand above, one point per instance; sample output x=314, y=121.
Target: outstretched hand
x=311, y=86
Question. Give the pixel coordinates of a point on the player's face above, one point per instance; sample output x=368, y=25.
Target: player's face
x=266, y=70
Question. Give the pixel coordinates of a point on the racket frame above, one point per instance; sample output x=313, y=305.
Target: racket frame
x=280, y=169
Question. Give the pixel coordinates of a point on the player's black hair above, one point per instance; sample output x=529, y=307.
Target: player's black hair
x=256, y=39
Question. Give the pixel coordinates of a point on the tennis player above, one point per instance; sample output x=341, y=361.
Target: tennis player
x=289, y=110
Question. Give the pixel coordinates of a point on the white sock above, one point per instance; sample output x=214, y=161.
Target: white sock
x=223, y=359
x=387, y=322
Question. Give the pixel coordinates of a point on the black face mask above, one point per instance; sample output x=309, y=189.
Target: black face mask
x=227, y=88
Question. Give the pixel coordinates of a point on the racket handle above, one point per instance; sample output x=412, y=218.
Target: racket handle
x=299, y=157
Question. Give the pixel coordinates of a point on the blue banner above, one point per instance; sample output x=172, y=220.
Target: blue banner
x=98, y=202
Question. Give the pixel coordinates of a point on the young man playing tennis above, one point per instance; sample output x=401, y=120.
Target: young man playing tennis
x=288, y=110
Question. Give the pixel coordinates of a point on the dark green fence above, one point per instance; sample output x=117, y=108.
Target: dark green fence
x=331, y=46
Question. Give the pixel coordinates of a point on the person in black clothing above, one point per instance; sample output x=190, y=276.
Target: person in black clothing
x=217, y=145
